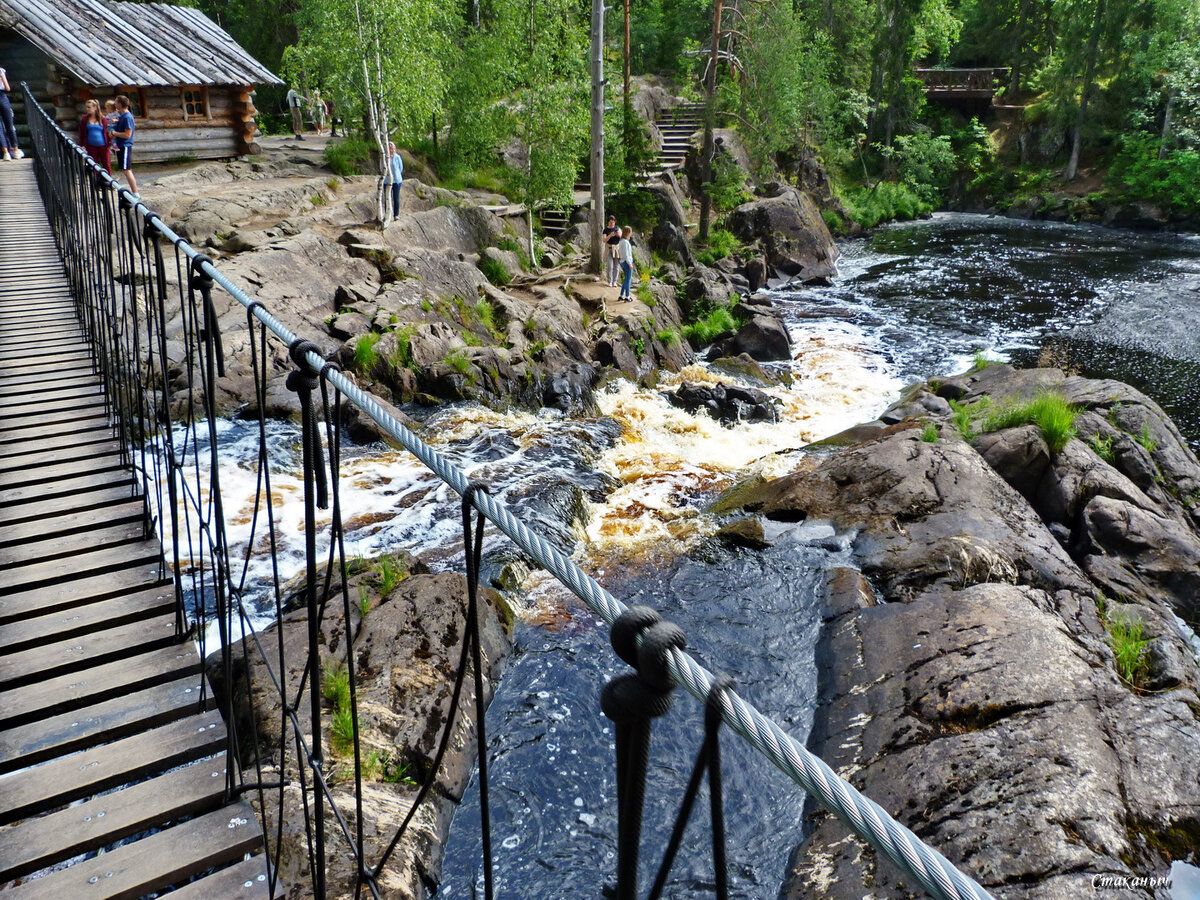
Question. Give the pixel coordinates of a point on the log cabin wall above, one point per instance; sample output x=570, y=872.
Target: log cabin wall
x=24, y=62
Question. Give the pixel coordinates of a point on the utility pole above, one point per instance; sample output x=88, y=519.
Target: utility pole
x=708, y=149
x=597, y=152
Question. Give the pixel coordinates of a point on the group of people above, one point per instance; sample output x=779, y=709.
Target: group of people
x=110, y=132
x=619, y=255
x=319, y=111
x=8, y=125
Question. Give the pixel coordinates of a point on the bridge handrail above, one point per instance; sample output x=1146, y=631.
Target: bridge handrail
x=861, y=814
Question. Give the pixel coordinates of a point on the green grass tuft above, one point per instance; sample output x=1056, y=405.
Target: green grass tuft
x=391, y=573
x=364, y=601
x=1102, y=444
x=705, y=330
x=1052, y=414
x=493, y=270
x=335, y=687
x=930, y=433
x=458, y=361
x=1145, y=440
x=342, y=728
x=1129, y=647
x=365, y=355
x=668, y=337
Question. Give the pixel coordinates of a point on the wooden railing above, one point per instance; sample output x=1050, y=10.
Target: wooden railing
x=966, y=83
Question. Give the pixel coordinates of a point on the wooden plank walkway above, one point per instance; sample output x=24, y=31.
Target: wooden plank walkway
x=112, y=768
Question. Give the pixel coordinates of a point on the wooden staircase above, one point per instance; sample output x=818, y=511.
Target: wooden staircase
x=677, y=125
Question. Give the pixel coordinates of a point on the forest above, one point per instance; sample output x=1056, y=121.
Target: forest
x=1107, y=91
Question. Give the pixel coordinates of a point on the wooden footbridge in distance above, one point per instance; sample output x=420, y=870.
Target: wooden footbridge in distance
x=112, y=756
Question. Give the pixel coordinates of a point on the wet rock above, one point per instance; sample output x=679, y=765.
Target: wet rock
x=570, y=390
x=725, y=403
x=744, y=366
x=763, y=337
x=746, y=532
x=1018, y=455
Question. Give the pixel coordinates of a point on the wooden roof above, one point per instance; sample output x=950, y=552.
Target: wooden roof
x=104, y=43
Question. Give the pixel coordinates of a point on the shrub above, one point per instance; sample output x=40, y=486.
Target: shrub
x=668, y=337
x=1173, y=181
x=493, y=270
x=351, y=156
x=930, y=433
x=705, y=330
x=887, y=200
x=458, y=361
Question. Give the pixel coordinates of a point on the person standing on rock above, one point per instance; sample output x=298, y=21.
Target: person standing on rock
x=93, y=135
x=395, y=176
x=625, y=252
x=612, y=237
x=295, y=102
x=318, y=112
x=8, y=125
x=123, y=135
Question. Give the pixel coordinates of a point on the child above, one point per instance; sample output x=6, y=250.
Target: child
x=123, y=135
x=625, y=252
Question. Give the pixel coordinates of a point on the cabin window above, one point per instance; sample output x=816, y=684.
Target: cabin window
x=137, y=99
x=195, y=103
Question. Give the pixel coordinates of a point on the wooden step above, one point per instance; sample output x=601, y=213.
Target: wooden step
x=111, y=612
x=155, y=862
x=247, y=880
x=56, y=598
x=38, y=843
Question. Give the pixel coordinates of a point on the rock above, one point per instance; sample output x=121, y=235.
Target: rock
x=349, y=325
x=362, y=429
x=745, y=367
x=791, y=231
x=506, y=259
x=703, y=288
x=406, y=648
x=667, y=196
x=763, y=338
x=725, y=403
x=1018, y=455
x=669, y=240
x=570, y=390
x=747, y=532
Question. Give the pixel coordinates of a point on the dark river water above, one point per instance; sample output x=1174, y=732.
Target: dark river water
x=913, y=300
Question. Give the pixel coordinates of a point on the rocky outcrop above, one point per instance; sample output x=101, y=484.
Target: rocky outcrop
x=788, y=227
x=727, y=403
x=406, y=646
x=969, y=679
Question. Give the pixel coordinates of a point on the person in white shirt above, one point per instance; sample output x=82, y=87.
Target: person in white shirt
x=625, y=254
x=395, y=176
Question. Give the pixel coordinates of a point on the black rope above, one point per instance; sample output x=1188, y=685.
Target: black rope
x=304, y=381
x=633, y=700
x=474, y=555
x=203, y=282
x=708, y=758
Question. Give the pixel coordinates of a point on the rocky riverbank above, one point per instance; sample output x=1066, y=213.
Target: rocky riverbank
x=407, y=628
x=1008, y=671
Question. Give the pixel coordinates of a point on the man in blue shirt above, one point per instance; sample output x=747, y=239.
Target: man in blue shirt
x=122, y=136
x=395, y=176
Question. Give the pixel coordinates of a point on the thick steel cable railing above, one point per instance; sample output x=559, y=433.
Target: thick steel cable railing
x=862, y=815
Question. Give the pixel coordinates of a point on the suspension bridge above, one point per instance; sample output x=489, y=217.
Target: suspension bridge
x=121, y=774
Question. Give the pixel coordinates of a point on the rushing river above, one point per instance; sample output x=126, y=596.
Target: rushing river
x=912, y=301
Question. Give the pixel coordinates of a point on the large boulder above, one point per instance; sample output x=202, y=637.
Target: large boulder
x=727, y=403
x=789, y=228
x=764, y=338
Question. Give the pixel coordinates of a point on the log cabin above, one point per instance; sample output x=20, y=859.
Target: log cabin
x=189, y=84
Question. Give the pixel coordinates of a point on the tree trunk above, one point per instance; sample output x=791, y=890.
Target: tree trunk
x=627, y=122
x=1089, y=75
x=1014, y=79
x=708, y=150
x=1164, y=142
x=597, y=136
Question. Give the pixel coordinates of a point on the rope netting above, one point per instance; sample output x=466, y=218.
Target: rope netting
x=142, y=292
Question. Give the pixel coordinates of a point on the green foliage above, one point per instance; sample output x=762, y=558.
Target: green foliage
x=349, y=156
x=342, y=728
x=728, y=186
x=1052, y=414
x=718, y=323
x=493, y=270
x=723, y=243
x=886, y=201
x=1173, y=181
x=668, y=337
x=963, y=415
x=1145, y=440
x=402, y=357
x=925, y=164
x=335, y=687
x=459, y=361
x=391, y=573
x=365, y=355
x=364, y=600
x=397, y=771
x=1103, y=446
x=929, y=433
x=638, y=209
x=644, y=293
x=1129, y=648
x=980, y=361
x=486, y=315
x=639, y=346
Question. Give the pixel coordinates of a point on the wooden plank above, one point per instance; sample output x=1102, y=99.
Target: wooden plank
x=48, y=785
x=54, y=658
x=247, y=880
x=81, y=620
x=15, y=477
x=153, y=863
x=82, y=566
x=54, y=598
x=65, y=488
x=78, y=365
x=45, y=437
x=70, y=524
x=12, y=404
x=38, y=843
x=51, y=380
x=89, y=445
x=63, y=416
x=20, y=419
x=71, y=692
x=95, y=498
x=100, y=723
